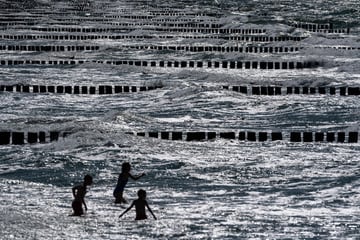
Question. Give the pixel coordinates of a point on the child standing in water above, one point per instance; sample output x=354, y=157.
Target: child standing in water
x=79, y=192
x=122, y=181
x=140, y=204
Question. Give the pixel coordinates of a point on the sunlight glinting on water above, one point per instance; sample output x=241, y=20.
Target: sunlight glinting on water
x=210, y=189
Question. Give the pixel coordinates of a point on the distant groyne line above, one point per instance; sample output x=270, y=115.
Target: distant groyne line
x=163, y=25
x=204, y=48
x=212, y=48
x=319, y=27
x=277, y=90
x=244, y=89
x=33, y=137
x=237, y=48
x=263, y=65
x=187, y=48
x=127, y=28
x=254, y=136
x=69, y=89
x=49, y=48
x=117, y=36
x=37, y=14
x=32, y=20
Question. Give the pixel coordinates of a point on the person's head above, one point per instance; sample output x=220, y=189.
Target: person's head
x=88, y=180
x=125, y=167
x=142, y=194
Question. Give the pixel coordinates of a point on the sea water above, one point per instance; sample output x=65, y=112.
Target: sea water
x=219, y=189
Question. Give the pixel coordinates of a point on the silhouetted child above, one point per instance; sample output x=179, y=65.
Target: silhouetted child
x=139, y=204
x=122, y=181
x=79, y=192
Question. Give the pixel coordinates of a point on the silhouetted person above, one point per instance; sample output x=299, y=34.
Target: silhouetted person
x=139, y=204
x=79, y=192
x=122, y=181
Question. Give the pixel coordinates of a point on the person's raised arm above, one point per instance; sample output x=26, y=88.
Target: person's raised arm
x=147, y=205
x=133, y=203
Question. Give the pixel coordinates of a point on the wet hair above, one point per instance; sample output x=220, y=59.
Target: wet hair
x=141, y=193
x=88, y=179
x=125, y=167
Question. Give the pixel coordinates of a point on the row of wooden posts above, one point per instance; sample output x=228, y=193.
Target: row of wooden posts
x=176, y=64
x=253, y=136
x=151, y=16
x=117, y=36
x=13, y=20
x=245, y=31
x=101, y=89
x=32, y=21
x=207, y=48
x=110, y=89
x=19, y=138
x=276, y=90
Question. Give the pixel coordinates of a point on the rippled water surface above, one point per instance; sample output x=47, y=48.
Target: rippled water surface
x=218, y=189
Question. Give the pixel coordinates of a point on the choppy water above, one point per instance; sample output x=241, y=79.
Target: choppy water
x=223, y=189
